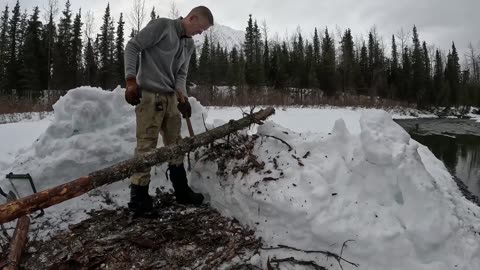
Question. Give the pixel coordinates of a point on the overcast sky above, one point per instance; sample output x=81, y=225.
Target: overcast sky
x=438, y=21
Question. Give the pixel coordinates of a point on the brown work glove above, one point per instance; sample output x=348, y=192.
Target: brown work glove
x=185, y=108
x=131, y=93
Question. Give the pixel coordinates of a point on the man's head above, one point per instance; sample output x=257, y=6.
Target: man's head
x=198, y=20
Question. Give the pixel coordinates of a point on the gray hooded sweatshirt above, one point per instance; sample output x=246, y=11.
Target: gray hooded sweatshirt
x=164, y=56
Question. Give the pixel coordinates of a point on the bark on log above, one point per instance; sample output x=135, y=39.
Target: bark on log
x=18, y=243
x=122, y=170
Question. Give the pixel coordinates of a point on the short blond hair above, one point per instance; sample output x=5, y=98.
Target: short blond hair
x=204, y=12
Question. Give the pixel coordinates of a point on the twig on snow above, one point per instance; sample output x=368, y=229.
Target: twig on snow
x=274, y=137
x=326, y=253
x=299, y=262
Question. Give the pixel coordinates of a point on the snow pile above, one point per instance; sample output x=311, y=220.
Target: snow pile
x=378, y=187
x=364, y=180
x=91, y=129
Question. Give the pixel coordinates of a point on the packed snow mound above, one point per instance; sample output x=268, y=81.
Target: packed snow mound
x=379, y=188
x=91, y=129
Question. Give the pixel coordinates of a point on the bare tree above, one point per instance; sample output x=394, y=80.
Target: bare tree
x=288, y=39
x=276, y=38
x=174, y=13
x=472, y=62
x=264, y=29
x=50, y=10
x=89, y=25
x=137, y=16
x=431, y=54
x=403, y=37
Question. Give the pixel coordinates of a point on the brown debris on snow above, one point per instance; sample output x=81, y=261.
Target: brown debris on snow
x=179, y=238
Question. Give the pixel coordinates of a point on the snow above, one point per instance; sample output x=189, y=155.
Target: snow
x=364, y=180
x=318, y=120
x=378, y=187
x=224, y=35
x=474, y=114
x=19, y=135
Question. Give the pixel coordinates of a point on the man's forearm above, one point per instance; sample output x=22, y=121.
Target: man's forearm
x=131, y=58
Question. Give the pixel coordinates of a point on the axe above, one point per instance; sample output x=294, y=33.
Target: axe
x=189, y=126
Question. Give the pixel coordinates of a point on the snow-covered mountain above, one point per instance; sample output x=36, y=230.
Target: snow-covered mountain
x=225, y=35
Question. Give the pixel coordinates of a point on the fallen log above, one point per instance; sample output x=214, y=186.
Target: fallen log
x=18, y=243
x=122, y=170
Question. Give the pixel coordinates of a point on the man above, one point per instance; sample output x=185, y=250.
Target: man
x=158, y=90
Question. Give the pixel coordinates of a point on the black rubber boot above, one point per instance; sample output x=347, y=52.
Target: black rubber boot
x=183, y=193
x=140, y=202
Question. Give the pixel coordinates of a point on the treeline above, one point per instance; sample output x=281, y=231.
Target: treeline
x=412, y=73
x=35, y=56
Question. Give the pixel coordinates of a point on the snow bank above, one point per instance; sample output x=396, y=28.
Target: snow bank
x=379, y=188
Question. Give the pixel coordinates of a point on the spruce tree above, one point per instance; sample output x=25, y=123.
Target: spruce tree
x=193, y=68
x=328, y=65
x=316, y=48
x=224, y=63
x=309, y=76
x=428, y=75
x=91, y=65
x=13, y=64
x=49, y=43
x=4, y=48
x=371, y=59
x=452, y=75
x=204, y=63
x=215, y=57
x=394, y=68
x=153, y=15
x=241, y=73
x=22, y=30
x=259, y=77
x=418, y=66
x=347, y=61
x=406, y=79
x=266, y=61
x=283, y=74
x=249, y=50
x=274, y=65
x=364, y=71
x=438, y=79
x=120, y=52
x=33, y=55
x=298, y=62
x=75, y=61
x=212, y=67
x=62, y=72
x=233, y=68
x=106, y=50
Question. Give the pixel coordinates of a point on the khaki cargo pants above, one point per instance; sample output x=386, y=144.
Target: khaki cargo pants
x=156, y=113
